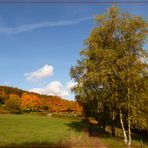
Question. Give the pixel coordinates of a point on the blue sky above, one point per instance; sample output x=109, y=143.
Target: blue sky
x=40, y=42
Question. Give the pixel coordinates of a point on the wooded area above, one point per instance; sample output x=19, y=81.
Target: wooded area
x=15, y=100
x=112, y=73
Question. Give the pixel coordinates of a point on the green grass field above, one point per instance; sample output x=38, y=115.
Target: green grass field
x=37, y=129
x=30, y=129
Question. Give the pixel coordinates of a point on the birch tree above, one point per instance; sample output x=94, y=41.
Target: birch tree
x=111, y=75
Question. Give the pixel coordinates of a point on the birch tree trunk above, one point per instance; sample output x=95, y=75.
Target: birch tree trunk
x=129, y=110
x=122, y=126
x=129, y=130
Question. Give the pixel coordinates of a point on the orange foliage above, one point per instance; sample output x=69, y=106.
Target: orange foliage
x=56, y=104
x=13, y=103
x=76, y=107
x=30, y=102
x=26, y=101
x=3, y=96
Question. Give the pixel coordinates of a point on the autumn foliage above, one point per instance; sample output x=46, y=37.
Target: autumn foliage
x=16, y=100
x=30, y=102
x=56, y=104
x=13, y=103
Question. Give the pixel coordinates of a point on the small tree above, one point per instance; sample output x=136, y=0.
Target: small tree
x=30, y=102
x=13, y=103
x=3, y=97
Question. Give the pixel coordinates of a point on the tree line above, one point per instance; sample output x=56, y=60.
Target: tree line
x=112, y=73
x=14, y=100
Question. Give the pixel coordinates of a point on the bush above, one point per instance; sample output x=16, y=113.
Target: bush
x=13, y=104
x=2, y=111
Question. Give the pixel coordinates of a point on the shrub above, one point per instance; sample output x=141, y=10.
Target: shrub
x=13, y=104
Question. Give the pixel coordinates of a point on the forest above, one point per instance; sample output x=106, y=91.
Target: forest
x=14, y=100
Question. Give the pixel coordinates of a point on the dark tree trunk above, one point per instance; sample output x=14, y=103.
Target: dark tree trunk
x=113, y=124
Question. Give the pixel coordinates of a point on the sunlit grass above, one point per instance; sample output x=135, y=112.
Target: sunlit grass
x=28, y=129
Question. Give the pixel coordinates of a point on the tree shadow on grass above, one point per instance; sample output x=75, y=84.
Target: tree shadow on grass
x=93, y=130
x=78, y=126
x=141, y=138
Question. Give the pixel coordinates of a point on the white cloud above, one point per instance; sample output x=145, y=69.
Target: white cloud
x=70, y=85
x=30, y=27
x=43, y=72
x=54, y=88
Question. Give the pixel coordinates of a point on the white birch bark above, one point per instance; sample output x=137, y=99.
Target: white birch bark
x=123, y=129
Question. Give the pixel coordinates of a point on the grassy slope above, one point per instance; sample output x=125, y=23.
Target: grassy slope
x=35, y=129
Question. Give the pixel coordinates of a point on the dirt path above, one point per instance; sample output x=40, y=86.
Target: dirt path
x=94, y=137
x=93, y=140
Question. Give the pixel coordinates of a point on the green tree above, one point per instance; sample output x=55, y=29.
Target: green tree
x=111, y=75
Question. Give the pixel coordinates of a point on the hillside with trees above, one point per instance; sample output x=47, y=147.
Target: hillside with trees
x=14, y=100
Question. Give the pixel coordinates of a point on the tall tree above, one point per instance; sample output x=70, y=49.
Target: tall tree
x=111, y=73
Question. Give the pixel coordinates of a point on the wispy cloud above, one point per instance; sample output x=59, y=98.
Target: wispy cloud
x=31, y=27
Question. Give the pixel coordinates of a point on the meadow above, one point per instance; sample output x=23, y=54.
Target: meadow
x=27, y=130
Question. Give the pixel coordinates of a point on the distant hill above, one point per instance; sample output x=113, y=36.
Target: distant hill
x=15, y=99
